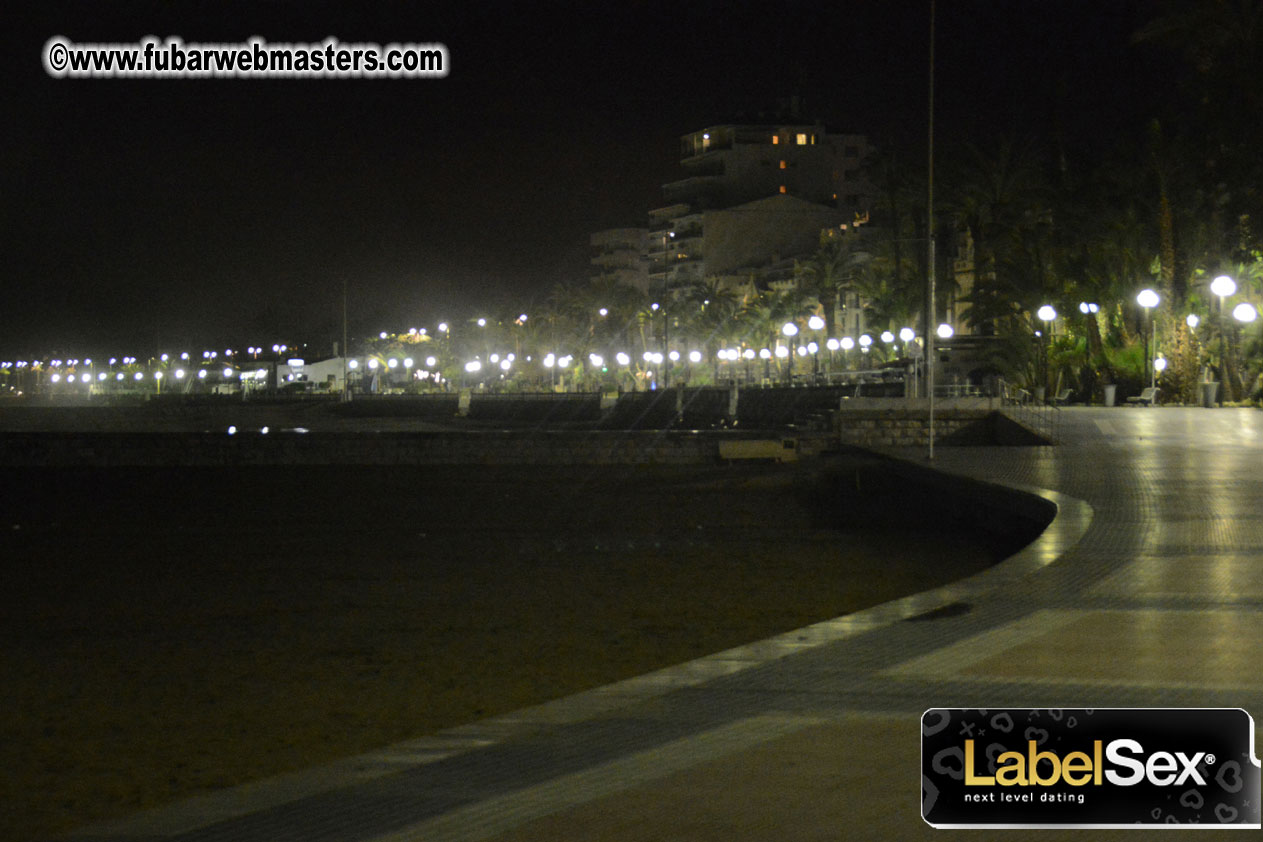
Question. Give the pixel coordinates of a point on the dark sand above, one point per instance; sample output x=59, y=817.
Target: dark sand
x=166, y=632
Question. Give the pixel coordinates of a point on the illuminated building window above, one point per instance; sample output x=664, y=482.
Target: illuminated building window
x=782, y=165
x=802, y=140
x=782, y=188
x=776, y=139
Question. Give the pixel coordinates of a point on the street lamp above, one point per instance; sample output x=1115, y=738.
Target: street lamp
x=1222, y=287
x=789, y=330
x=1047, y=314
x=1149, y=299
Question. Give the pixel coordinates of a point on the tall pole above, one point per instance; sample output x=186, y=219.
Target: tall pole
x=929, y=233
x=345, y=350
x=1223, y=359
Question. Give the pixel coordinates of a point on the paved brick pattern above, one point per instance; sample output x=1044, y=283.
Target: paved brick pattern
x=1146, y=591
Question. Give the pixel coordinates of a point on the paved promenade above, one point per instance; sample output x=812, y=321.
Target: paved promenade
x=1147, y=590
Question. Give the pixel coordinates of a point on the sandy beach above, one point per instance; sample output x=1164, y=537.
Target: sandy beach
x=171, y=631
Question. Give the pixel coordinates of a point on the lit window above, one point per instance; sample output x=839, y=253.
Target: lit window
x=782, y=165
x=802, y=140
x=776, y=139
x=782, y=188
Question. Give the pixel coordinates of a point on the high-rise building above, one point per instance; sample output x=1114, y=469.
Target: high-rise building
x=752, y=198
x=620, y=255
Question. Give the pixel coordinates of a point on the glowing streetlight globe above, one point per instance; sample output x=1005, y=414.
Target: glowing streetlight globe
x=748, y=354
x=907, y=334
x=1147, y=298
x=1192, y=321
x=596, y=359
x=392, y=363
x=1223, y=286
x=765, y=353
x=847, y=343
x=695, y=356
x=815, y=323
x=789, y=329
x=430, y=362
x=945, y=331
x=228, y=372
x=1245, y=313
x=622, y=359
x=1160, y=364
x=473, y=366
x=781, y=352
x=887, y=336
x=832, y=344
x=1046, y=313
x=865, y=340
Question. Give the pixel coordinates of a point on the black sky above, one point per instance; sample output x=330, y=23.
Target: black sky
x=148, y=215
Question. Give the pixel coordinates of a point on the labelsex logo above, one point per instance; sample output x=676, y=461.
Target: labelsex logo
x=1161, y=768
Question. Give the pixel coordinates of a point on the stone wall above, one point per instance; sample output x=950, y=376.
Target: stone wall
x=274, y=448
x=902, y=427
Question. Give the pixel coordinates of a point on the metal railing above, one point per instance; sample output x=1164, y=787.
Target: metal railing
x=1040, y=417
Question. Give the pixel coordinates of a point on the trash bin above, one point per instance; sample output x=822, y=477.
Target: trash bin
x=1110, y=389
x=1210, y=391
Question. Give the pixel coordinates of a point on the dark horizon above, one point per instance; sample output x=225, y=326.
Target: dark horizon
x=143, y=215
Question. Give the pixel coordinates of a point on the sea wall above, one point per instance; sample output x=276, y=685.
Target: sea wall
x=431, y=448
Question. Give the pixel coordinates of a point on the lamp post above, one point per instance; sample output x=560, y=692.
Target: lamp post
x=815, y=323
x=1149, y=299
x=789, y=330
x=1222, y=287
x=1047, y=315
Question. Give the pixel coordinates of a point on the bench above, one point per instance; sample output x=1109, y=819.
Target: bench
x=1147, y=397
x=1062, y=397
x=783, y=450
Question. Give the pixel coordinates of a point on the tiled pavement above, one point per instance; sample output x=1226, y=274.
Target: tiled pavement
x=1147, y=590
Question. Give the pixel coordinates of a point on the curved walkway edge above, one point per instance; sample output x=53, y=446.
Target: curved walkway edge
x=1155, y=599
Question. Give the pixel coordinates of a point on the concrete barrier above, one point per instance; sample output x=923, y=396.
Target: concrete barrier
x=277, y=448
x=535, y=407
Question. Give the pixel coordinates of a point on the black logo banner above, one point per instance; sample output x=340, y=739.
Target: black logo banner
x=1085, y=767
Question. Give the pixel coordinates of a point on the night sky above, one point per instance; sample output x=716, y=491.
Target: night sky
x=148, y=215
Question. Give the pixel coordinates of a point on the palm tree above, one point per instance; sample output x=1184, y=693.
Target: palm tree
x=828, y=273
x=1002, y=199
x=709, y=313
